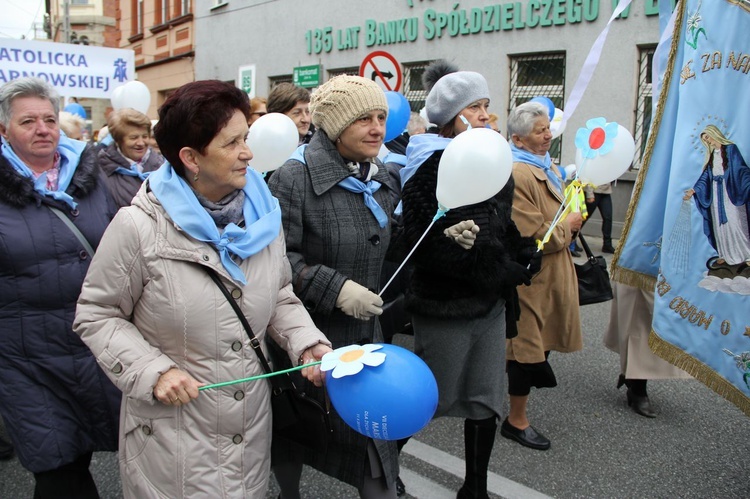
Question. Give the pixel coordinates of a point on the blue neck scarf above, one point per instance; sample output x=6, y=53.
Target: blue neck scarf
x=420, y=148
x=351, y=184
x=523, y=156
x=367, y=189
x=70, y=155
x=261, y=211
x=132, y=172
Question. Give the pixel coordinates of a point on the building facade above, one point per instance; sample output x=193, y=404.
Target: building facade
x=524, y=48
x=161, y=33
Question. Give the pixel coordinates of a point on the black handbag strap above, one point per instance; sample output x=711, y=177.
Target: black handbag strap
x=69, y=223
x=276, y=382
x=585, y=245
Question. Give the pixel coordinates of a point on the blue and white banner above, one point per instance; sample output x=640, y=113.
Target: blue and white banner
x=74, y=70
x=687, y=234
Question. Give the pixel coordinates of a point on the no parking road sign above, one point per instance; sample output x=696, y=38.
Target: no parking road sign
x=382, y=68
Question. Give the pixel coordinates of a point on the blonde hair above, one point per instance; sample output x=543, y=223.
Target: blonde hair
x=72, y=124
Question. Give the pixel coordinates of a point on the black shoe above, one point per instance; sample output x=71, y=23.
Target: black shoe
x=640, y=404
x=6, y=449
x=607, y=248
x=575, y=253
x=528, y=437
x=400, y=487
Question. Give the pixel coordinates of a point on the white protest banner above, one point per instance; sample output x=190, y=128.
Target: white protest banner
x=74, y=70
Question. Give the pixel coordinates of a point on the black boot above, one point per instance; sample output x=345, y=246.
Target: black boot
x=637, y=396
x=479, y=437
x=6, y=449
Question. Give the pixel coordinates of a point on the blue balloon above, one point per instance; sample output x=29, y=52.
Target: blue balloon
x=391, y=401
x=398, y=115
x=75, y=108
x=547, y=102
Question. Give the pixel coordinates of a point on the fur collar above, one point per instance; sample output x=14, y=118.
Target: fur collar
x=18, y=191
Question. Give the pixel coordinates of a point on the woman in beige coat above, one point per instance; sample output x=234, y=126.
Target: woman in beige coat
x=549, y=307
x=161, y=328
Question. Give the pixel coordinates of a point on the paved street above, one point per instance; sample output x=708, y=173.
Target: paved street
x=695, y=448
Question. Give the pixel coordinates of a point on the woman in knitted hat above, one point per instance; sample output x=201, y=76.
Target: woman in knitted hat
x=462, y=298
x=336, y=202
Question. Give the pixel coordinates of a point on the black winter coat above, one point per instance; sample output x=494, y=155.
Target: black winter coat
x=56, y=402
x=449, y=281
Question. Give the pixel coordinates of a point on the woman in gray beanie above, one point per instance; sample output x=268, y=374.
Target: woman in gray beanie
x=337, y=200
x=463, y=296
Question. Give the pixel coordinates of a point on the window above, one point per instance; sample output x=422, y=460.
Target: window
x=353, y=71
x=644, y=100
x=139, y=17
x=184, y=7
x=161, y=10
x=414, y=90
x=79, y=2
x=541, y=75
x=275, y=80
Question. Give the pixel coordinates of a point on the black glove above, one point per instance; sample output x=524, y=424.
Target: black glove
x=516, y=274
x=535, y=263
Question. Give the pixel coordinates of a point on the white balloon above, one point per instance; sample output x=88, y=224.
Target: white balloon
x=606, y=168
x=272, y=139
x=556, y=126
x=116, y=98
x=475, y=166
x=136, y=95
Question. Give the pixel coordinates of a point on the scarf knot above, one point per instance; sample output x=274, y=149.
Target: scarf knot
x=368, y=189
x=260, y=210
x=543, y=163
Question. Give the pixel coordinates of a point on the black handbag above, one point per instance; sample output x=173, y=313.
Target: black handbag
x=296, y=417
x=593, y=279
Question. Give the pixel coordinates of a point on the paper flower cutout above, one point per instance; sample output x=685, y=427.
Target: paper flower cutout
x=597, y=139
x=347, y=361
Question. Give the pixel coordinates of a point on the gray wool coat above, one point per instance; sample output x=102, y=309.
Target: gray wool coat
x=332, y=236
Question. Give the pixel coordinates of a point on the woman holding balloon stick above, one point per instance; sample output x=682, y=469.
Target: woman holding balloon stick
x=463, y=288
x=549, y=307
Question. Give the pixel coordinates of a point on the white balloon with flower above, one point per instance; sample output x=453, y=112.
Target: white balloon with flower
x=604, y=151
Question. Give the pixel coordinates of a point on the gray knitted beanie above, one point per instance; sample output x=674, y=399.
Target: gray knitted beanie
x=451, y=91
x=341, y=100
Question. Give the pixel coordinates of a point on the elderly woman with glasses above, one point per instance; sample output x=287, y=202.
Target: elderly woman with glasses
x=294, y=101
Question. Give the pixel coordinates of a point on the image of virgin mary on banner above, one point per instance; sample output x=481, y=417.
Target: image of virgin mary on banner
x=687, y=231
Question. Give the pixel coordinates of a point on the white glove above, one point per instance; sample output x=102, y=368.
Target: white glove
x=463, y=233
x=359, y=302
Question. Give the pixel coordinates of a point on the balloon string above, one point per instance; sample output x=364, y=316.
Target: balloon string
x=441, y=212
x=260, y=376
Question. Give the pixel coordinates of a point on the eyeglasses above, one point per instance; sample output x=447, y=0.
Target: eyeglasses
x=259, y=113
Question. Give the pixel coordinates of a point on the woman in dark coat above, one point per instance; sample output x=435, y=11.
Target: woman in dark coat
x=129, y=160
x=336, y=244
x=462, y=296
x=57, y=404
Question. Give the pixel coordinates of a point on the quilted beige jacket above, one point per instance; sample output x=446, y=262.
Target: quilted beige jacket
x=147, y=305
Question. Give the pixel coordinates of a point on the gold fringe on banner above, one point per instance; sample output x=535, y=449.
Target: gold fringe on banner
x=632, y=278
x=699, y=371
x=622, y=274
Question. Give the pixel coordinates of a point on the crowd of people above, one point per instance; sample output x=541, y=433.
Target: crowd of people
x=113, y=321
